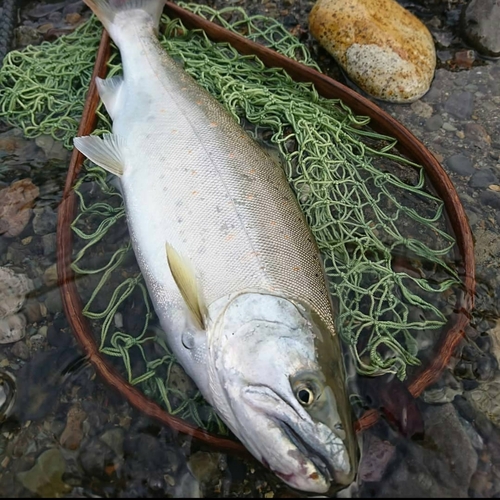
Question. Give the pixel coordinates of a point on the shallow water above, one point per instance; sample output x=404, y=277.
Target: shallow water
x=70, y=435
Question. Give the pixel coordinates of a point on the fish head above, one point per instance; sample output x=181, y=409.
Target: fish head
x=280, y=393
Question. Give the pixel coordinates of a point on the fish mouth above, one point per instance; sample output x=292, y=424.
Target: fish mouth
x=324, y=469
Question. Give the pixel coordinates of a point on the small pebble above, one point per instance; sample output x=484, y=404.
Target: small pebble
x=460, y=164
x=460, y=105
x=482, y=179
x=434, y=123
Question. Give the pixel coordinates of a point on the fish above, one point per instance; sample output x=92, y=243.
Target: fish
x=230, y=263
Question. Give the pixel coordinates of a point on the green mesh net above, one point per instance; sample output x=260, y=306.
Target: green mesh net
x=381, y=230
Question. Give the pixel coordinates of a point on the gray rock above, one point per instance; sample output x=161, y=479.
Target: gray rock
x=479, y=22
x=53, y=301
x=490, y=198
x=460, y=105
x=433, y=123
x=21, y=350
x=449, y=127
x=376, y=456
x=441, y=468
x=95, y=457
x=44, y=221
x=49, y=243
x=114, y=439
x=483, y=178
x=12, y=328
x=460, y=164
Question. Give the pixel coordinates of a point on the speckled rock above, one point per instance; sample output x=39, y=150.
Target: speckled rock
x=13, y=290
x=15, y=207
x=12, y=328
x=383, y=48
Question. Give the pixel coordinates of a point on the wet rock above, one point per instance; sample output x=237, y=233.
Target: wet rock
x=434, y=123
x=15, y=207
x=475, y=439
x=96, y=456
x=486, y=399
x=54, y=150
x=43, y=10
x=41, y=381
x=73, y=432
x=57, y=337
x=477, y=133
x=21, y=350
x=26, y=35
x=376, y=456
x=460, y=164
x=13, y=290
x=49, y=244
x=114, y=439
x=32, y=311
x=73, y=18
x=12, y=328
x=460, y=105
x=482, y=179
x=45, y=478
x=77, y=7
x=53, y=301
x=390, y=56
x=490, y=198
x=44, y=221
x=464, y=59
x=442, y=466
x=479, y=23
x=50, y=276
x=204, y=466
x=422, y=109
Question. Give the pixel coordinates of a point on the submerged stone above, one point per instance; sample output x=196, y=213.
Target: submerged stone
x=45, y=478
x=13, y=290
x=384, y=49
x=15, y=207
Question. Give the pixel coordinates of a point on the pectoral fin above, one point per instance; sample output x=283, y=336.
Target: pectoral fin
x=107, y=152
x=187, y=283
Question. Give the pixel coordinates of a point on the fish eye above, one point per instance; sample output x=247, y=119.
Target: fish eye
x=305, y=395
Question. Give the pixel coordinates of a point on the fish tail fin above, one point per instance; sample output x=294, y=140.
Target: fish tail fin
x=107, y=10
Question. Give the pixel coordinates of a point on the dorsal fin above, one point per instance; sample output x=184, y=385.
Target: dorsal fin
x=186, y=281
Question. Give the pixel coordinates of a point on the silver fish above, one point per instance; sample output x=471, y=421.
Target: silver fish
x=230, y=263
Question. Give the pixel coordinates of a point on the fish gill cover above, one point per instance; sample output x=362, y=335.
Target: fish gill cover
x=380, y=228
